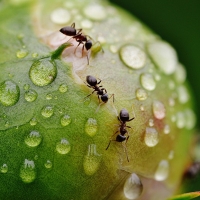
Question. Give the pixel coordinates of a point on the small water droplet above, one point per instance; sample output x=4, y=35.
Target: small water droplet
x=48, y=164
x=142, y=108
x=63, y=147
x=86, y=24
x=190, y=119
x=9, y=93
x=113, y=49
x=4, y=168
x=166, y=129
x=33, y=121
x=171, y=155
x=141, y=94
x=133, y=56
x=183, y=95
x=49, y=96
x=162, y=171
x=63, y=88
x=158, y=109
x=180, y=73
x=133, y=187
x=164, y=56
x=151, y=137
x=171, y=101
x=27, y=171
x=147, y=81
x=33, y=139
x=60, y=16
x=180, y=120
x=30, y=95
x=91, y=127
x=34, y=55
x=65, y=120
x=43, y=72
x=95, y=12
x=47, y=111
x=22, y=53
x=101, y=39
x=91, y=160
x=26, y=87
x=151, y=122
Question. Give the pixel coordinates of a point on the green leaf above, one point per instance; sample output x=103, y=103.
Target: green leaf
x=186, y=196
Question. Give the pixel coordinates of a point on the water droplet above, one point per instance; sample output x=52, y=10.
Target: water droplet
x=49, y=96
x=180, y=73
x=30, y=95
x=33, y=121
x=142, y=108
x=164, y=56
x=47, y=111
x=43, y=72
x=4, y=168
x=171, y=101
x=113, y=49
x=180, y=120
x=91, y=160
x=48, y=164
x=26, y=87
x=34, y=55
x=171, y=155
x=27, y=171
x=133, y=56
x=190, y=119
x=148, y=81
x=65, y=120
x=21, y=53
x=63, y=147
x=141, y=94
x=60, y=16
x=101, y=39
x=171, y=85
x=63, y=88
x=133, y=187
x=91, y=127
x=86, y=24
x=158, y=109
x=183, y=95
x=33, y=139
x=166, y=129
x=151, y=122
x=95, y=12
x=9, y=93
x=151, y=137
x=162, y=171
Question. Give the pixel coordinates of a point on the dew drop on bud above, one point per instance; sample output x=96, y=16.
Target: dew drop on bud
x=60, y=16
x=151, y=137
x=33, y=139
x=63, y=147
x=65, y=120
x=162, y=171
x=141, y=94
x=147, y=81
x=4, y=168
x=63, y=88
x=48, y=164
x=91, y=127
x=158, y=110
x=30, y=95
x=47, y=111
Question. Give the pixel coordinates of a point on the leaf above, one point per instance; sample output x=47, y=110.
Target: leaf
x=186, y=196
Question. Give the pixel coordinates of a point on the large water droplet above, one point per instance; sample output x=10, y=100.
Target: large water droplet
x=63, y=147
x=91, y=127
x=133, y=187
x=63, y=88
x=60, y=16
x=162, y=171
x=148, y=81
x=48, y=164
x=151, y=137
x=43, y=72
x=91, y=160
x=95, y=12
x=158, y=109
x=33, y=139
x=65, y=120
x=164, y=56
x=30, y=95
x=141, y=94
x=4, y=168
x=133, y=56
x=22, y=53
x=9, y=93
x=183, y=95
x=27, y=171
x=47, y=111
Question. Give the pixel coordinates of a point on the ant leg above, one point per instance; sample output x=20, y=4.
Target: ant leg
x=73, y=25
x=99, y=82
x=125, y=149
x=130, y=119
x=113, y=98
x=77, y=46
x=89, y=94
x=111, y=139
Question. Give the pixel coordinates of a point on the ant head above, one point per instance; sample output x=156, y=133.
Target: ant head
x=104, y=97
x=91, y=80
x=88, y=44
x=124, y=115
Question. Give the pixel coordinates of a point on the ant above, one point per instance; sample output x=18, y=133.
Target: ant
x=123, y=118
x=101, y=92
x=78, y=36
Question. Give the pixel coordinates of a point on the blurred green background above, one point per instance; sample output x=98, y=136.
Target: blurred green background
x=178, y=22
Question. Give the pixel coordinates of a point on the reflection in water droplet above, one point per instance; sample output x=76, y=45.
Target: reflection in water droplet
x=133, y=56
x=27, y=171
x=49, y=96
x=162, y=171
x=151, y=137
x=166, y=129
x=133, y=187
x=4, y=168
x=95, y=12
x=183, y=95
x=91, y=160
x=21, y=53
x=47, y=111
x=30, y=95
x=63, y=147
x=48, y=164
x=91, y=127
x=33, y=139
x=60, y=16
x=9, y=93
x=141, y=94
x=63, y=88
x=158, y=109
x=33, y=121
x=65, y=120
x=43, y=72
x=147, y=81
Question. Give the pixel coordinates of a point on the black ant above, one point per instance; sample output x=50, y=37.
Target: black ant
x=123, y=118
x=78, y=36
x=101, y=92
